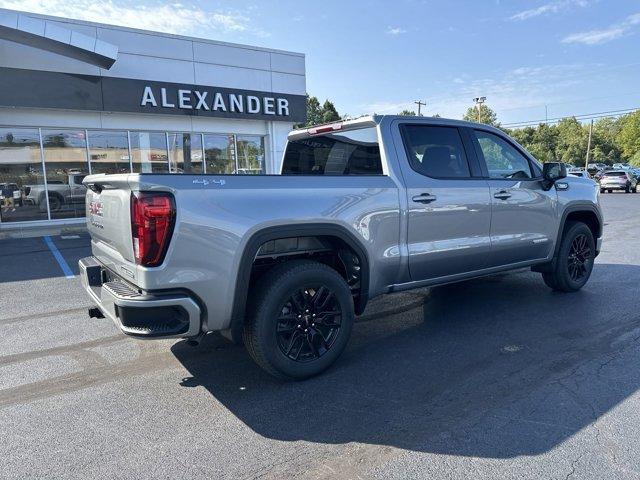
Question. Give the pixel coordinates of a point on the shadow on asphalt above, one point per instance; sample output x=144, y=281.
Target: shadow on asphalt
x=495, y=367
x=31, y=258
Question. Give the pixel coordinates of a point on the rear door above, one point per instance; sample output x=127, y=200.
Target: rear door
x=448, y=202
x=523, y=223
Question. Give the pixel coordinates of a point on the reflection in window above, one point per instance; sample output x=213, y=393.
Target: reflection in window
x=503, y=160
x=149, y=152
x=185, y=153
x=65, y=156
x=108, y=152
x=219, y=154
x=21, y=178
x=250, y=154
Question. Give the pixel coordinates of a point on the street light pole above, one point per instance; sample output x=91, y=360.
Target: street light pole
x=479, y=101
x=586, y=162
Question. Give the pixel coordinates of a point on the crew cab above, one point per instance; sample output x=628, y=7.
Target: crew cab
x=361, y=208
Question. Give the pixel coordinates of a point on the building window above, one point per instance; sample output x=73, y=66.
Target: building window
x=185, y=153
x=219, y=154
x=65, y=156
x=250, y=154
x=21, y=177
x=149, y=152
x=108, y=152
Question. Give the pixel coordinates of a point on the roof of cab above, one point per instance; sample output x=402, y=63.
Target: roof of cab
x=372, y=120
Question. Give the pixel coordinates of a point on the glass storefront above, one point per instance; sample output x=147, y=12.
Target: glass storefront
x=149, y=152
x=250, y=154
x=65, y=161
x=109, y=152
x=41, y=170
x=22, y=192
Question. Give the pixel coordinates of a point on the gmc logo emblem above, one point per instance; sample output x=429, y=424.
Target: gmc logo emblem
x=95, y=208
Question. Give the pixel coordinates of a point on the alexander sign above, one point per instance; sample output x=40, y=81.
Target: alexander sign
x=29, y=88
x=208, y=100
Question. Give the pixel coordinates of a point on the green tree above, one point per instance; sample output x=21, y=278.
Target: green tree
x=314, y=111
x=605, y=146
x=409, y=113
x=329, y=112
x=572, y=141
x=628, y=139
x=483, y=114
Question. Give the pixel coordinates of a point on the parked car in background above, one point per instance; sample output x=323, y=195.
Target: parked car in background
x=62, y=193
x=579, y=172
x=363, y=207
x=621, y=166
x=618, y=180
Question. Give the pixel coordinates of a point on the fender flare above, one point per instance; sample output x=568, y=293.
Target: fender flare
x=260, y=237
x=572, y=208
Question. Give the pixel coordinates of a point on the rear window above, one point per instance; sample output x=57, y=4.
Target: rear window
x=352, y=152
x=615, y=174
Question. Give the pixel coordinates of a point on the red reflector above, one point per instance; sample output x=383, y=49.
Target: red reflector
x=325, y=129
x=152, y=219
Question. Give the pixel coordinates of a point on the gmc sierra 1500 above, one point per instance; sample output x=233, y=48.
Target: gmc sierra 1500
x=361, y=208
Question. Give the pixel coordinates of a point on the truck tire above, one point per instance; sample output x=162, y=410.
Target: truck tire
x=574, y=261
x=300, y=320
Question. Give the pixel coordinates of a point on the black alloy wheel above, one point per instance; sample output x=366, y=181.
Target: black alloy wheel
x=309, y=323
x=579, y=254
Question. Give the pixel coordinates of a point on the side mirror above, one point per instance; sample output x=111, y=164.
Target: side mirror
x=551, y=172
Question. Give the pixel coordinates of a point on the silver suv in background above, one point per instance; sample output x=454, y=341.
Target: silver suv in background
x=363, y=207
x=618, y=180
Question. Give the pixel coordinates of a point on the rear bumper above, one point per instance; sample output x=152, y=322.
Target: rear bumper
x=139, y=314
x=614, y=186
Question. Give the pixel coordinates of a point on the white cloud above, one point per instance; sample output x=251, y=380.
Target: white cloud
x=598, y=36
x=168, y=18
x=520, y=88
x=548, y=8
x=395, y=31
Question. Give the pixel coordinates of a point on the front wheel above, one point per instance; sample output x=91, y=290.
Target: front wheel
x=574, y=261
x=300, y=320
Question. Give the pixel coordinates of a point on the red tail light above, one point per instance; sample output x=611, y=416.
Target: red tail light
x=152, y=219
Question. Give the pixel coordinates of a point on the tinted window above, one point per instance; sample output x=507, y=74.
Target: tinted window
x=353, y=152
x=436, y=151
x=615, y=174
x=502, y=159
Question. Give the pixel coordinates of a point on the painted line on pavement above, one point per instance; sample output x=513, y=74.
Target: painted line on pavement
x=58, y=256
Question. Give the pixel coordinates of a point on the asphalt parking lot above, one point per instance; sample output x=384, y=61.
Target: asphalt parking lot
x=495, y=378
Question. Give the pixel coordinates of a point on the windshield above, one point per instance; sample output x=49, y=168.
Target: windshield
x=352, y=152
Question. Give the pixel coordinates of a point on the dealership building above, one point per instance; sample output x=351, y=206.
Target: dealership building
x=78, y=98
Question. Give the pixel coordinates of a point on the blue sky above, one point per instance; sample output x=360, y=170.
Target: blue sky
x=574, y=56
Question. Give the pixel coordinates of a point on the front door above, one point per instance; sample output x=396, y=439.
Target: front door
x=449, y=204
x=523, y=224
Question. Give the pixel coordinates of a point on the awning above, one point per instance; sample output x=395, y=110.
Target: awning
x=45, y=35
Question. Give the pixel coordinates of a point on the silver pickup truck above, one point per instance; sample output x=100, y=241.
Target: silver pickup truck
x=362, y=207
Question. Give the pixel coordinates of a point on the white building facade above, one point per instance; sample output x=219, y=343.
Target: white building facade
x=79, y=98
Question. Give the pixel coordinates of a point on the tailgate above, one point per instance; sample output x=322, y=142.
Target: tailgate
x=109, y=216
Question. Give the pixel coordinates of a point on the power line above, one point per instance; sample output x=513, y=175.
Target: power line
x=585, y=116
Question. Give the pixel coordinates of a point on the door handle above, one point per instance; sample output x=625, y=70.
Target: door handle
x=424, y=198
x=502, y=195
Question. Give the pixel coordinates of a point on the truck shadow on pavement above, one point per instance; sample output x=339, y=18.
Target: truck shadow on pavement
x=496, y=367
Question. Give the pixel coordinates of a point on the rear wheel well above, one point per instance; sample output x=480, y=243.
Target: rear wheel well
x=331, y=245
x=327, y=249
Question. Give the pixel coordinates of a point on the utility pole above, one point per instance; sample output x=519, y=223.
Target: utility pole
x=419, y=103
x=586, y=162
x=479, y=101
x=546, y=115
